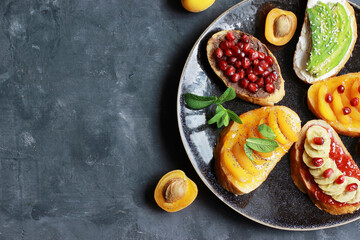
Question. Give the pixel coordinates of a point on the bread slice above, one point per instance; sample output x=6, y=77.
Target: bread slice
x=261, y=97
x=304, y=45
x=304, y=181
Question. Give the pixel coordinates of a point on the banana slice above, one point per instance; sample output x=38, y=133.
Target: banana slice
x=324, y=181
x=309, y=161
x=318, y=172
x=356, y=198
x=334, y=188
x=318, y=131
x=313, y=153
x=346, y=196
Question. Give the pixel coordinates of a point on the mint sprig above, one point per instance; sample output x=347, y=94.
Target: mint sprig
x=222, y=115
x=264, y=145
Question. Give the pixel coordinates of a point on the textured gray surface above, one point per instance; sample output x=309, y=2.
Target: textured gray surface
x=88, y=124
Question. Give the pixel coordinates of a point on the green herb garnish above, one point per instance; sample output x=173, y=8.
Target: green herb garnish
x=261, y=144
x=222, y=115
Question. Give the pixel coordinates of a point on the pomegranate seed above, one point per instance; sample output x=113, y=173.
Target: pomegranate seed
x=230, y=36
x=351, y=187
x=261, y=55
x=341, y=89
x=318, y=140
x=230, y=71
x=242, y=73
x=224, y=45
x=235, y=77
x=340, y=179
x=219, y=53
x=269, y=87
x=245, y=38
x=228, y=53
x=242, y=55
x=223, y=65
x=256, y=62
x=269, y=60
x=236, y=50
x=246, y=48
x=258, y=70
x=237, y=64
x=328, y=97
x=317, y=162
x=252, y=77
x=244, y=83
x=260, y=82
x=232, y=60
x=359, y=89
x=249, y=70
x=264, y=64
x=354, y=102
x=273, y=76
x=231, y=44
x=346, y=110
x=245, y=62
x=266, y=73
x=327, y=173
x=268, y=79
x=253, y=87
x=253, y=54
x=241, y=46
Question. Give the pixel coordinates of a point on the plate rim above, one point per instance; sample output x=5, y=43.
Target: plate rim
x=188, y=148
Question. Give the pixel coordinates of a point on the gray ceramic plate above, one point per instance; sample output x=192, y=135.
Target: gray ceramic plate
x=277, y=202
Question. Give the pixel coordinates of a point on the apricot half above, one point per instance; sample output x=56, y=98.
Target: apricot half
x=196, y=5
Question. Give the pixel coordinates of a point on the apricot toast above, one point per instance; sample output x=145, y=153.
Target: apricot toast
x=240, y=173
x=322, y=167
x=244, y=63
x=336, y=100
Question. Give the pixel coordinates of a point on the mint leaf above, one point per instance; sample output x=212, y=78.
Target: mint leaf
x=226, y=119
x=248, y=152
x=198, y=102
x=217, y=117
x=228, y=95
x=266, y=131
x=234, y=116
x=262, y=145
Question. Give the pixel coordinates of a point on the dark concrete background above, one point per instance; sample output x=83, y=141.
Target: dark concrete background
x=88, y=124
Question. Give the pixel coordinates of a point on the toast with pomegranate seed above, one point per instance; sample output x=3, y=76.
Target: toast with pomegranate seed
x=322, y=167
x=243, y=62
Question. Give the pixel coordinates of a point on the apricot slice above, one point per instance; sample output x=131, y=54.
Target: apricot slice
x=354, y=114
x=275, y=127
x=337, y=107
x=285, y=124
x=324, y=107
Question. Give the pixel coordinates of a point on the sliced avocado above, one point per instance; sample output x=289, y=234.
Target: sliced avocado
x=331, y=36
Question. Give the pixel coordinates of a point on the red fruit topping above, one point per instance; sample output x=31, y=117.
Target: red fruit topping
x=328, y=97
x=256, y=62
x=231, y=44
x=341, y=89
x=253, y=54
x=317, y=162
x=228, y=53
x=351, y=187
x=241, y=46
x=249, y=70
x=264, y=64
x=246, y=47
x=242, y=55
x=253, y=87
x=242, y=73
x=260, y=82
x=273, y=76
x=237, y=64
x=230, y=71
x=258, y=70
x=232, y=60
x=244, y=83
x=230, y=36
x=245, y=38
x=266, y=73
x=245, y=62
x=224, y=45
x=252, y=77
x=318, y=140
x=261, y=55
x=359, y=89
x=340, y=179
x=268, y=79
x=236, y=50
x=235, y=77
x=219, y=53
x=269, y=87
x=354, y=102
x=327, y=173
x=223, y=64
x=269, y=60
x=346, y=110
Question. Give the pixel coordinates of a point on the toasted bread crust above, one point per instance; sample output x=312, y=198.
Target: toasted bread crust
x=268, y=99
x=303, y=56
x=304, y=184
